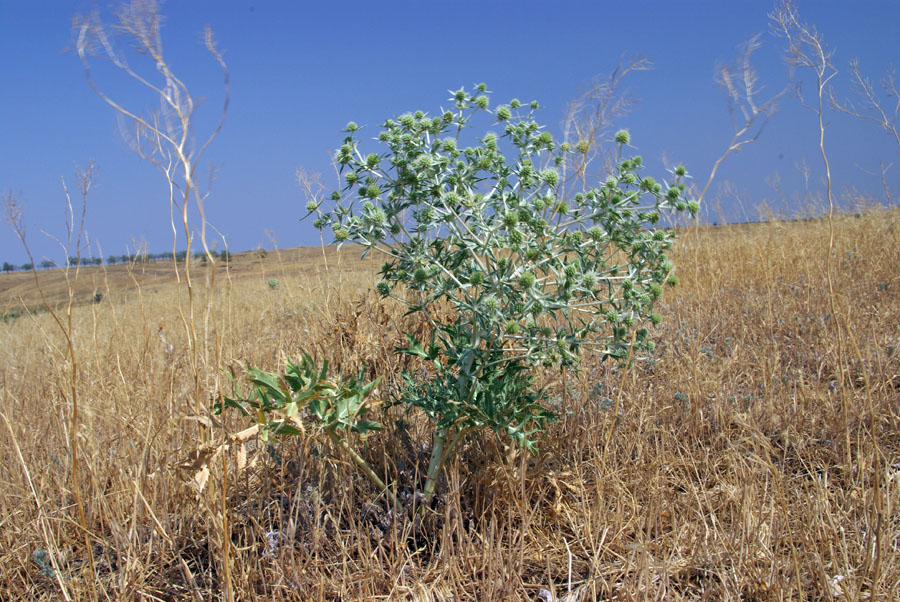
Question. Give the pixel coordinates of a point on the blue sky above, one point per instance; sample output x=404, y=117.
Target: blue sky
x=301, y=70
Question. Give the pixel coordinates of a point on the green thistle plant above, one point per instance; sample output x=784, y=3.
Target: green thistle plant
x=486, y=225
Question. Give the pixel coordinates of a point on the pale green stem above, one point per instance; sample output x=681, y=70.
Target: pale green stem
x=364, y=466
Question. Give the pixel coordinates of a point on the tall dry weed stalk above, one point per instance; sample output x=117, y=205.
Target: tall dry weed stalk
x=72, y=246
x=167, y=139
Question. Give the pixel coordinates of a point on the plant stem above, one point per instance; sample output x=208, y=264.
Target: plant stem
x=364, y=466
x=434, y=465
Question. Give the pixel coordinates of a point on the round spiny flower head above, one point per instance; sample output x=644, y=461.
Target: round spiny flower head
x=515, y=103
x=622, y=137
x=491, y=303
x=680, y=171
x=449, y=145
x=637, y=160
x=561, y=208
x=447, y=116
x=655, y=318
x=373, y=191
x=481, y=87
x=319, y=223
x=659, y=235
x=628, y=320
x=565, y=147
x=650, y=345
x=451, y=198
x=511, y=327
x=503, y=114
x=550, y=177
x=582, y=146
x=384, y=137
x=516, y=238
x=681, y=205
x=571, y=270
x=420, y=275
x=546, y=138
x=588, y=280
x=490, y=141
x=372, y=161
x=579, y=197
x=476, y=278
x=352, y=127
x=612, y=316
x=673, y=280
x=595, y=233
x=526, y=280
x=340, y=235
x=418, y=114
x=629, y=178
x=539, y=204
x=368, y=206
x=426, y=216
x=673, y=193
x=376, y=218
x=482, y=102
x=407, y=120
x=657, y=188
x=312, y=206
x=460, y=95
x=534, y=104
x=383, y=288
x=655, y=290
x=693, y=207
x=511, y=219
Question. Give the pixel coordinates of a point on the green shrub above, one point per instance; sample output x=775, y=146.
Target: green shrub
x=535, y=275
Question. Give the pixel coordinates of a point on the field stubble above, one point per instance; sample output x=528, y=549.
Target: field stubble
x=717, y=470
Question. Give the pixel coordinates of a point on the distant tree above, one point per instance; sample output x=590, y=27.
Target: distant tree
x=47, y=264
x=98, y=260
x=8, y=267
x=112, y=259
x=225, y=255
x=26, y=267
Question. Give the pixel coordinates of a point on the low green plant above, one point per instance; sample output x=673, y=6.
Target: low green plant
x=534, y=276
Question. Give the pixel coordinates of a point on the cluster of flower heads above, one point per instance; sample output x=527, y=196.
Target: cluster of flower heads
x=490, y=227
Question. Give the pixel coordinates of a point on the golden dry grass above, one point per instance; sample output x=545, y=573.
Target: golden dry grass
x=722, y=469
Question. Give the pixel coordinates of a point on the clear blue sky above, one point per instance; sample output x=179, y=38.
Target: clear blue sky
x=301, y=70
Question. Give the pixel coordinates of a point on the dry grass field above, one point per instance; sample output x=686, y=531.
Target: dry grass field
x=756, y=456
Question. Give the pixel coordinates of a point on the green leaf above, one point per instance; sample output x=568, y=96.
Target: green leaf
x=414, y=348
